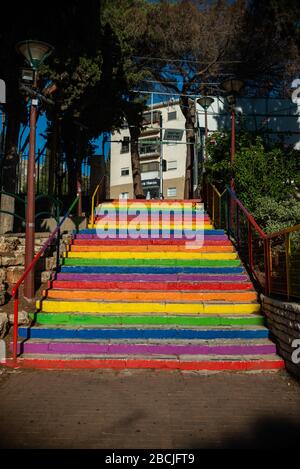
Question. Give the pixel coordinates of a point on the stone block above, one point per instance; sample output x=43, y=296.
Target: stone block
x=4, y=324
x=23, y=318
x=13, y=274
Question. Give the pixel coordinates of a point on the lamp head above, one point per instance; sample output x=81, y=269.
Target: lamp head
x=205, y=102
x=35, y=52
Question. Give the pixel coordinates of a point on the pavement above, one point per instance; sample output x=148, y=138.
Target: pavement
x=148, y=409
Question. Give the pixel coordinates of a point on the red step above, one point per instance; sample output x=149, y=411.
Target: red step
x=145, y=241
x=148, y=286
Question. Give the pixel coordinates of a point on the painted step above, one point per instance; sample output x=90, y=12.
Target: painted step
x=144, y=238
x=139, y=225
x=144, y=262
x=96, y=348
x=148, y=286
x=143, y=334
x=148, y=217
x=157, y=256
x=78, y=320
x=58, y=306
x=239, y=364
x=148, y=248
x=188, y=233
x=151, y=202
x=76, y=269
x=162, y=279
x=149, y=296
x=81, y=240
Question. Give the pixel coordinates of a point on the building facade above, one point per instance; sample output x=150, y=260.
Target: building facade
x=165, y=122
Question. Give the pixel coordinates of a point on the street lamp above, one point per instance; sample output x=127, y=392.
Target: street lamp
x=232, y=88
x=205, y=102
x=35, y=53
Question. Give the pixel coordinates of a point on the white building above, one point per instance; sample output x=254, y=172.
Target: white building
x=279, y=118
x=174, y=154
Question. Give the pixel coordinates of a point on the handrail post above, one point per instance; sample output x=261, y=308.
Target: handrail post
x=250, y=247
x=15, y=330
x=213, y=206
x=288, y=264
x=267, y=266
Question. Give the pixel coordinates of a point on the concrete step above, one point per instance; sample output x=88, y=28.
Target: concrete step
x=109, y=307
x=207, y=364
x=150, y=296
x=159, y=350
x=149, y=286
x=74, y=319
x=256, y=333
x=142, y=270
x=155, y=278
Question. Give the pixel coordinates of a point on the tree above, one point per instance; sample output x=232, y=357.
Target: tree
x=187, y=42
x=128, y=20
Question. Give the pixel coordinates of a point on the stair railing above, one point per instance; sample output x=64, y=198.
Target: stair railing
x=273, y=260
x=15, y=291
x=95, y=195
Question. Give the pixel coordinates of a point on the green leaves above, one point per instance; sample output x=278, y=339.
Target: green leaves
x=266, y=177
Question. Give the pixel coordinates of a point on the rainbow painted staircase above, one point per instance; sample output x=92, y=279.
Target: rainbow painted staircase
x=149, y=302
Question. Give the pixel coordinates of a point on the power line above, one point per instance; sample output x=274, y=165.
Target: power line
x=178, y=81
x=161, y=59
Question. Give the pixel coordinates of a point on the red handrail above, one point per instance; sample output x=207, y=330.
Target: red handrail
x=15, y=291
x=248, y=215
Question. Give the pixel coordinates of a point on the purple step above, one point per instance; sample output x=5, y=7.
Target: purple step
x=92, y=348
x=219, y=237
x=152, y=277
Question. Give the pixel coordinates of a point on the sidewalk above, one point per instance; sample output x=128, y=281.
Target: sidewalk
x=147, y=409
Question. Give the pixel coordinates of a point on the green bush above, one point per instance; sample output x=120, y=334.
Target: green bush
x=266, y=176
x=274, y=216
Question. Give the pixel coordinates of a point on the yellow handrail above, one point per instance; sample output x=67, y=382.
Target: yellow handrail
x=93, y=201
x=284, y=231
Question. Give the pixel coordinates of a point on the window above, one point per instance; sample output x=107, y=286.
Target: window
x=172, y=116
x=148, y=167
x=125, y=145
x=148, y=146
x=147, y=117
x=125, y=172
x=171, y=191
x=172, y=165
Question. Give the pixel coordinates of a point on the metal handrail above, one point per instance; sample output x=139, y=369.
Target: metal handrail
x=15, y=291
x=284, y=231
x=96, y=192
x=248, y=215
x=279, y=257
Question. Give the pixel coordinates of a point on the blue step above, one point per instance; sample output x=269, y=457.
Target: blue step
x=192, y=334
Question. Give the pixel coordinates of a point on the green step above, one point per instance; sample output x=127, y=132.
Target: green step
x=88, y=319
x=151, y=262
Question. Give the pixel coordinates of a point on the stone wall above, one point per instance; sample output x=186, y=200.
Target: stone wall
x=12, y=258
x=283, y=320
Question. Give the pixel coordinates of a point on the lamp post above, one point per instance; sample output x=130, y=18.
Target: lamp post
x=232, y=87
x=205, y=102
x=35, y=52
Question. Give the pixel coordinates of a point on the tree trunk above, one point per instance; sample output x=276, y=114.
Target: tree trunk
x=9, y=170
x=188, y=111
x=135, y=162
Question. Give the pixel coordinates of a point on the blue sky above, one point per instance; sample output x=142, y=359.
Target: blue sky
x=40, y=141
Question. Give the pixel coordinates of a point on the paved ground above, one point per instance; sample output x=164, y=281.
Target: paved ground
x=147, y=409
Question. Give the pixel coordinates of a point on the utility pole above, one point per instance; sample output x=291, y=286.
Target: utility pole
x=161, y=186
